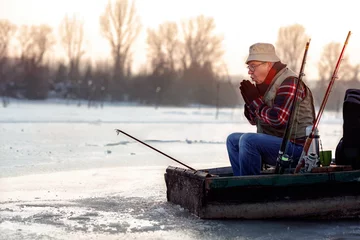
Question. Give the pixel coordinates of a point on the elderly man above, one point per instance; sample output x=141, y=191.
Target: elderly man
x=267, y=105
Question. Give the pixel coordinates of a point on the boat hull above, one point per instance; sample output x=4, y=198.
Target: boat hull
x=216, y=194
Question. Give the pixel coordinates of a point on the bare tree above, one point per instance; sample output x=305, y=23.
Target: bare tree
x=201, y=44
x=72, y=38
x=120, y=25
x=7, y=31
x=328, y=60
x=290, y=45
x=35, y=42
x=164, y=46
x=326, y=66
x=354, y=73
x=164, y=55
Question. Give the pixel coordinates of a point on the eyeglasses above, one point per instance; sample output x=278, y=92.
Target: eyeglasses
x=252, y=68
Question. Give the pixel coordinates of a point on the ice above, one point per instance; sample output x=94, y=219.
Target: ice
x=66, y=174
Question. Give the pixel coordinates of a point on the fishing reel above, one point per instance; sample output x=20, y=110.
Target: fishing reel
x=311, y=161
x=283, y=162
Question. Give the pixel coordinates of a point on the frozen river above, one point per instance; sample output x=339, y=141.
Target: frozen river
x=65, y=174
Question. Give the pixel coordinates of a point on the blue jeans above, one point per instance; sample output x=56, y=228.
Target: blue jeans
x=248, y=150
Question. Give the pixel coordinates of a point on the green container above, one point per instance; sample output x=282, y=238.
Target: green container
x=325, y=157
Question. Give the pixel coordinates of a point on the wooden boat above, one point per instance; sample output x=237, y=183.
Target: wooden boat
x=326, y=193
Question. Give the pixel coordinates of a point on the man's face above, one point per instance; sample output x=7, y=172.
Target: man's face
x=258, y=70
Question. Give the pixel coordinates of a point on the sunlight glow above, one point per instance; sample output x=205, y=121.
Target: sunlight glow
x=242, y=23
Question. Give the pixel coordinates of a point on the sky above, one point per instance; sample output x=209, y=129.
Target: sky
x=242, y=23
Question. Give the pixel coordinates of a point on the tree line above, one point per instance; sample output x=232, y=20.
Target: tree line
x=184, y=62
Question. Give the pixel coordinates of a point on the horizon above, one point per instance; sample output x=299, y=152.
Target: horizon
x=338, y=21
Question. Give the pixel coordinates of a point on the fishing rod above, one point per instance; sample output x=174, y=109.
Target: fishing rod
x=282, y=160
x=119, y=131
x=309, y=139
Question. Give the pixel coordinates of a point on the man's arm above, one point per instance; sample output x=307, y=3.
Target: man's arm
x=278, y=115
x=249, y=115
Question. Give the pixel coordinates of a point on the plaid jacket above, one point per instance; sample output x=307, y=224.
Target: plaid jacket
x=278, y=115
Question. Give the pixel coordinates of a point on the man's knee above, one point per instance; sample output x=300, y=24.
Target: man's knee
x=248, y=138
x=232, y=139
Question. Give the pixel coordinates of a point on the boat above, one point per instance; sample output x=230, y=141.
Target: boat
x=331, y=192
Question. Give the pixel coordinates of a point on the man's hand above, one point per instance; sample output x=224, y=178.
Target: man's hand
x=248, y=91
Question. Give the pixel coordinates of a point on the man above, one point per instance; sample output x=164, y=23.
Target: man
x=268, y=105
